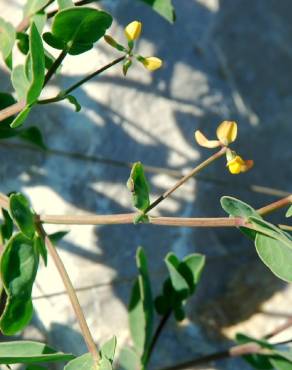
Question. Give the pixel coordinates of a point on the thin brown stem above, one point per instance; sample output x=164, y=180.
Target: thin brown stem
x=11, y=110
x=72, y=294
x=275, y=205
x=55, y=66
x=185, y=178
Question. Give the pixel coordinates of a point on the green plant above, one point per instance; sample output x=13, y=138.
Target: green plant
x=75, y=29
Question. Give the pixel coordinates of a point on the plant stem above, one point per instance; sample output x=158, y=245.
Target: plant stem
x=89, y=77
x=11, y=110
x=156, y=335
x=71, y=293
x=185, y=178
x=62, y=95
x=275, y=205
x=55, y=66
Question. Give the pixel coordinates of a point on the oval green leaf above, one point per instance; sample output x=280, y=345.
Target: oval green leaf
x=77, y=29
x=84, y=362
x=22, y=215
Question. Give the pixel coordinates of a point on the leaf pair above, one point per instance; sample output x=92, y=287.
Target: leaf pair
x=273, y=245
x=77, y=29
x=183, y=279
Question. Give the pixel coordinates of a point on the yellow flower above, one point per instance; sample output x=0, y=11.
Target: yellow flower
x=133, y=30
x=152, y=63
x=226, y=133
x=238, y=165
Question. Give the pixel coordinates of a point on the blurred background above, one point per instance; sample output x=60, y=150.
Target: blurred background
x=223, y=60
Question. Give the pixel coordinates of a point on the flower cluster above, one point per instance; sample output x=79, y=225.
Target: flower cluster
x=226, y=134
x=132, y=33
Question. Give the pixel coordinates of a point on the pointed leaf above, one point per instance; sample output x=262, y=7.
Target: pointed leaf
x=21, y=117
x=84, y=362
x=280, y=364
x=28, y=352
x=19, y=265
x=162, y=7
x=63, y=4
x=179, y=283
x=34, y=136
x=40, y=246
x=289, y=212
x=108, y=349
x=37, y=58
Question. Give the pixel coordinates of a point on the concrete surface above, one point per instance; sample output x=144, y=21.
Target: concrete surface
x=224, y=59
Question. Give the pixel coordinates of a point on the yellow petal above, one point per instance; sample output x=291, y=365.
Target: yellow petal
x=227, y=132
x=133, y=30
x=152, y=63
x=203, y=141
x=238, y=165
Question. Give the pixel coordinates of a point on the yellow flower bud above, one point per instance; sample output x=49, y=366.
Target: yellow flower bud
x=227, y=132
x=133, y=30
x=152, y=63
x=238, y=165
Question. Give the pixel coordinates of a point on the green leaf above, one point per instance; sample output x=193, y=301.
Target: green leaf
x=191, y=269
x=276, y=255
x=35, y=367
x=268, y=229
x=6, y=229
x=57, y=236
x=77, y=29
x=33, y=6
x=162, y=7
x=179, y=283
x=139, y=187
x=289, y=212
x=179, y=312
x=281, y=364
x=74, y=101
x=84, y=362
x=19, y=265
x=128, y=359
x=141, y=308
x=39, y=19
x=236, y=208
x=34, y=136
x=22, y=215
x=108, y=349
x=20, y=81
x=28, y=352
x=7, y=38
x=21, y=117
x=23, y=42
x=63, y=4
x=37, y=58
x=105, y=364
x=40, y=246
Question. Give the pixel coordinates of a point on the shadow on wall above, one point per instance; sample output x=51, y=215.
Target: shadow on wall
x=219, y=64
